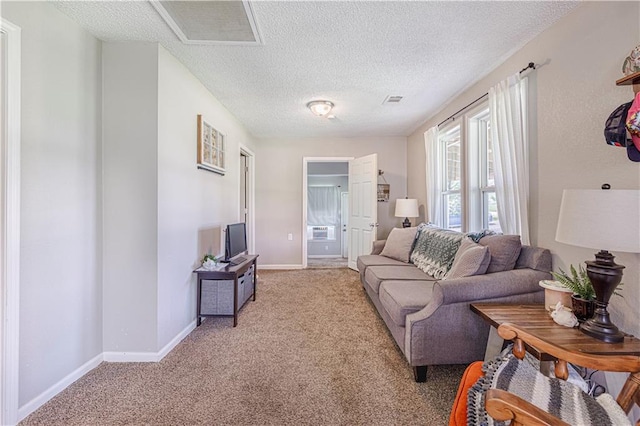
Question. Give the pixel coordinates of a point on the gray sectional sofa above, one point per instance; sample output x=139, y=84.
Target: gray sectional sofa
x=430, y=318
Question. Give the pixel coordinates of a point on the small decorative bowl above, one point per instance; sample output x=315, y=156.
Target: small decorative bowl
x=554, y=293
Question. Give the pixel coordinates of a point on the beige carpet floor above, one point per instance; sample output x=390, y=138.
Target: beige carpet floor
x=310, y=351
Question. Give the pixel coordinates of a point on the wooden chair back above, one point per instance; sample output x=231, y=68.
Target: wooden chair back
x=502, y=405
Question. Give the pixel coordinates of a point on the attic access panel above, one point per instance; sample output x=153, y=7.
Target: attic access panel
x=210, y=22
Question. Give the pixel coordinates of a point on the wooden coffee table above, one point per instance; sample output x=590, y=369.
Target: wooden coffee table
x=537, y=321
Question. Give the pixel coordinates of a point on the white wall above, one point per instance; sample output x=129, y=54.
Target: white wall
x=155, y=198
x=130, y=194
x=188, y=199
x=60, y=286
x=106, y=199
x=279, y=188
x=572, y=94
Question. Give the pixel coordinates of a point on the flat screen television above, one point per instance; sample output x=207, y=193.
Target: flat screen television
x=235, y=242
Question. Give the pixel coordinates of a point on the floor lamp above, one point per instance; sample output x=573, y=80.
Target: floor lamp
x=604, y=220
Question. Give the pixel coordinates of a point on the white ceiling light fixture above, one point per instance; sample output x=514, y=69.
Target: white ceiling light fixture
x=320, y=108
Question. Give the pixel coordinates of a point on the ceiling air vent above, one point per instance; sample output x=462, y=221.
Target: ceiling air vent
x=392, y=99
x=210, y=22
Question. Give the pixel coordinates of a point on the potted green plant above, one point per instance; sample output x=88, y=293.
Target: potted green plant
x=209, y=261
x=583, y=294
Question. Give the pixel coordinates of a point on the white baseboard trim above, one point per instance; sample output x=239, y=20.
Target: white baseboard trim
x=131, y=357
x=324, y=256
x=279, y=267
x=150, y=356
x=45, y=396
x=174, y=342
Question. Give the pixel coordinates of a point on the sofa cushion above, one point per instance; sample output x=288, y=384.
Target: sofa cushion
x=435, y=250
x=374, y=275
x=535, y=258
x=399, y=244
x=367, y=260
x=400, y=298
x=504, y=249
x=471, y=259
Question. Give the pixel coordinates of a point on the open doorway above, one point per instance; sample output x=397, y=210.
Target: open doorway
x=246, y=195
x=325, y=211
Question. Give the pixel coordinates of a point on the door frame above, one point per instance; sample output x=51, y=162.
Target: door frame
x=251, y=189
x=10, y=277
x=344, y=221
x=305, y=195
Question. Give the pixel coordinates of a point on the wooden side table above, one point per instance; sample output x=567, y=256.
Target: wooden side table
x=536, y=320
x=229, y=272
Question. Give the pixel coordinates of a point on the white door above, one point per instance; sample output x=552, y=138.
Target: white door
x=363, y=209
x=344, y=222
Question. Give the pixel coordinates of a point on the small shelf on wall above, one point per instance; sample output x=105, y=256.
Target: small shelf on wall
x=629, y=79
x=383, y=192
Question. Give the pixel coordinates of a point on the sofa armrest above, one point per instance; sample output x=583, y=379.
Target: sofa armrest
x=490, y=286
x=378, y=245
x=480, y=287
x=447, y=326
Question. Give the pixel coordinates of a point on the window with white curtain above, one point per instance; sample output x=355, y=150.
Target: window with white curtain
x=323, y=212
x=451, y=178
x=487, y=185
x=467, y=171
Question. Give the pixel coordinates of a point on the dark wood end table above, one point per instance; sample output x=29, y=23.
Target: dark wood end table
x=537, y=321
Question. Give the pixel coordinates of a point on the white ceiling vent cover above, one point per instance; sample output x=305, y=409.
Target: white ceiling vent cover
x=210, y=22
x=392, y=100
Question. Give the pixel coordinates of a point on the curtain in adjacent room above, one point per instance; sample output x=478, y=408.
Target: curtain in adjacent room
x=434, y=178
x=323, y=206
x=509, y=134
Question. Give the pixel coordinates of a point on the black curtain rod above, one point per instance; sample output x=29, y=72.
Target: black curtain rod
x=452, y=116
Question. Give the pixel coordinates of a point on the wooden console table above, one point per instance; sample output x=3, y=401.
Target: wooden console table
x=535, y=320
x=228, y=273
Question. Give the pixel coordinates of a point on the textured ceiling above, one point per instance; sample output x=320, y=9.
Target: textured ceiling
x=353, y=53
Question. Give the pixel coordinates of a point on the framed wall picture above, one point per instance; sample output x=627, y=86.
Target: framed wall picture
x=211, y=147
x=383, y=192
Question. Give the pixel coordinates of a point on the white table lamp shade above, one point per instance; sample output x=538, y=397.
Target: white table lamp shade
x=407, y=207
x=600, y=219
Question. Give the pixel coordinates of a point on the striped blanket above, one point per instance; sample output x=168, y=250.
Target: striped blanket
x=562, y=399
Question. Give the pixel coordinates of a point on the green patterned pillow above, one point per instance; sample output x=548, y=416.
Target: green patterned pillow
x=435, y=250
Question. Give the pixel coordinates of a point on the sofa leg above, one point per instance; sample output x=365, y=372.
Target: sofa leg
x=420, y=373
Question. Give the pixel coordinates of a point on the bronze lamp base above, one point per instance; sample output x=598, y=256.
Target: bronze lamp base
x=605, y=275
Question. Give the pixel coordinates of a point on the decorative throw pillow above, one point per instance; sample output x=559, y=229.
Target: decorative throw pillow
x=399, y=244
x=435, y=250
x=504, y=250
x=471, y=259
x=563, y=399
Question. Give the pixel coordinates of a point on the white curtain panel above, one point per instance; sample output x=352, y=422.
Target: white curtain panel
x=509, y=133
x=323, y=206
x=433, y=175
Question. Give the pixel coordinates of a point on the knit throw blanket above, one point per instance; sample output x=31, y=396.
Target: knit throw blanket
x=434, y=249
x=562, y=399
